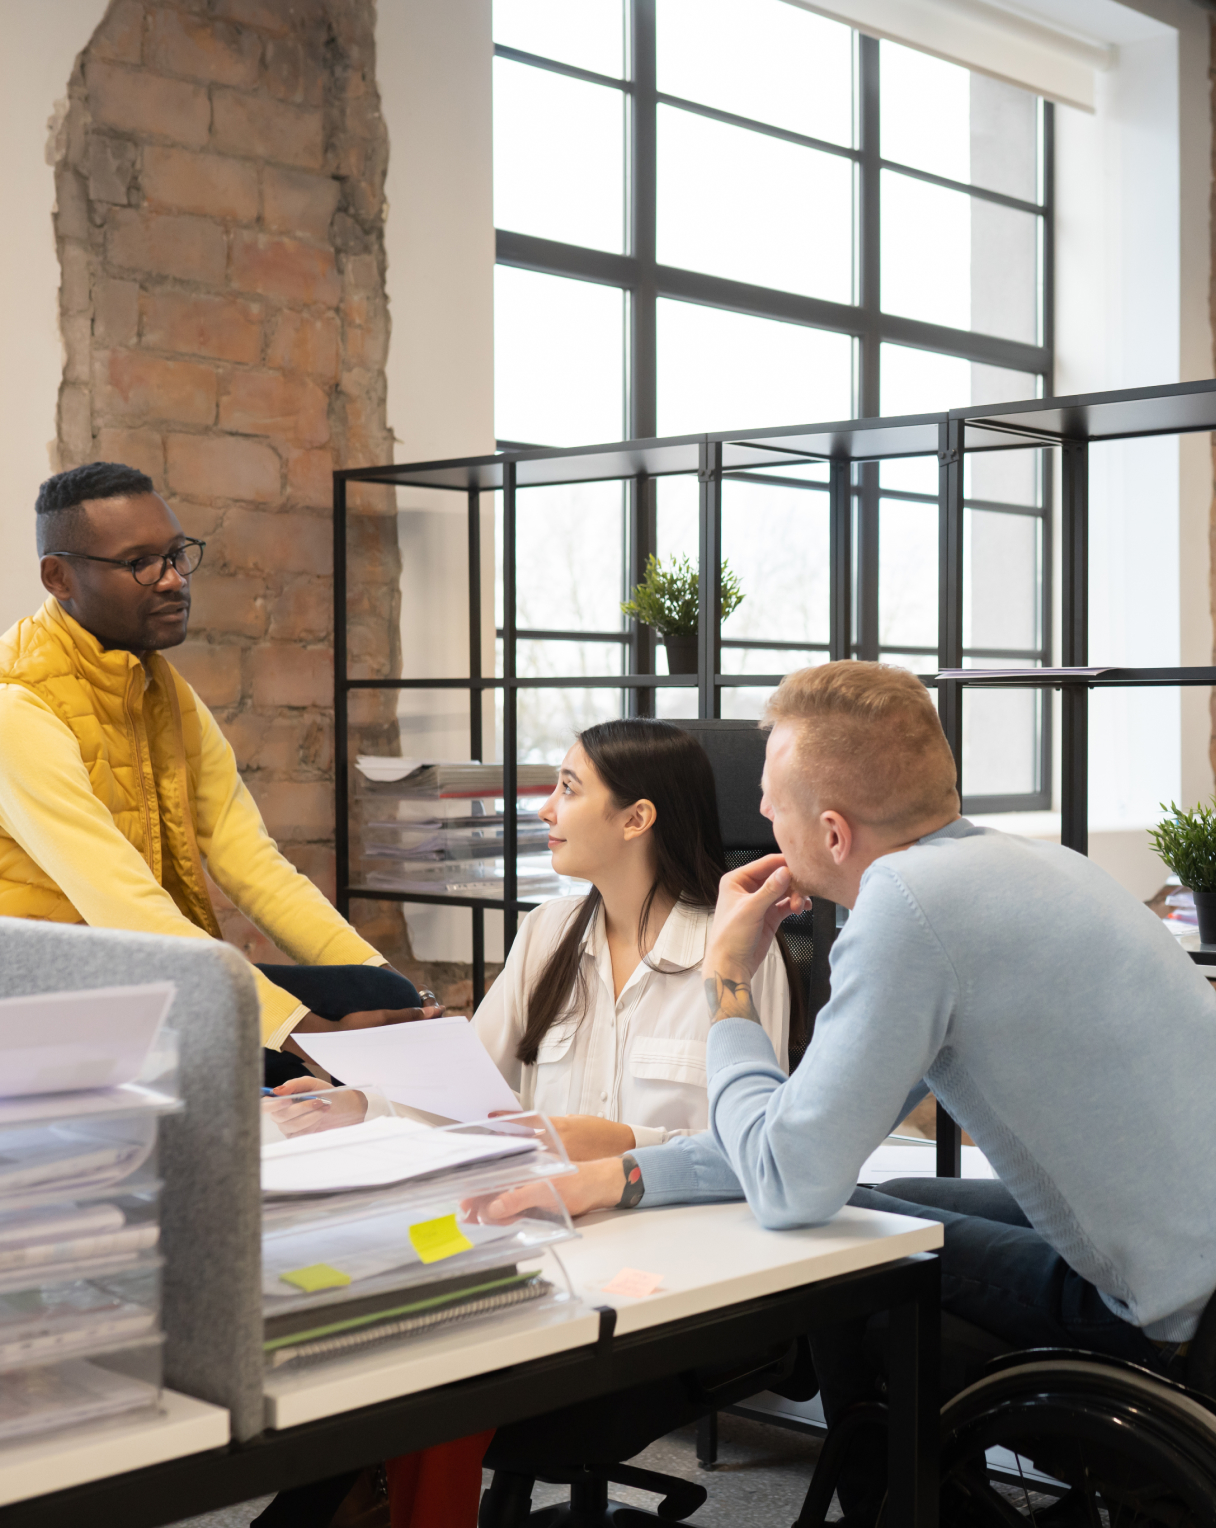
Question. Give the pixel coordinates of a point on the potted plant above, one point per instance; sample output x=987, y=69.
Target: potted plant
x=1186, y=841
x=667, y=600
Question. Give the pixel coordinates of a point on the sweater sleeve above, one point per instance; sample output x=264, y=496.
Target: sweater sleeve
x=246, y=864
x=686, y=1169
x=797, y=1144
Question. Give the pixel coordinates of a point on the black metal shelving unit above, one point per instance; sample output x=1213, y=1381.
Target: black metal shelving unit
x=1070, y=425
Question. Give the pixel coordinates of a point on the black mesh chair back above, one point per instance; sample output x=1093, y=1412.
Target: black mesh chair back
x=736, y=756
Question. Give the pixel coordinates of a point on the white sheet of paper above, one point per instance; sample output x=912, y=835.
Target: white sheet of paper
x=435, y=1064
x=65, y=1042
x=374, y=1154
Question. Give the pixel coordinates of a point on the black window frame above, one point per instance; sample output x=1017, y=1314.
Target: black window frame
x=644, y=281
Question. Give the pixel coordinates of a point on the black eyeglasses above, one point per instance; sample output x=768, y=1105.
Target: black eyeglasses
x=184, y=560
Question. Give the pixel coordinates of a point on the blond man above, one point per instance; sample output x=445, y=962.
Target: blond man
x=1050, y=1011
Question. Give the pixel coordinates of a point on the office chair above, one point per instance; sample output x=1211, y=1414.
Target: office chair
x=583, y=1445
x=736, y=755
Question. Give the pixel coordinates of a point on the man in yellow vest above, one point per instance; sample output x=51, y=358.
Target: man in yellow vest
x=117, y=785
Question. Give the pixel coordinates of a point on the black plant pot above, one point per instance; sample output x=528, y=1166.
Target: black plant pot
x=681, y=654
x=1205, y=910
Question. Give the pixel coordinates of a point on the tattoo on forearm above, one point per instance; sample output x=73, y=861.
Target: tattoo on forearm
x=631, y=1195
x=729, y=999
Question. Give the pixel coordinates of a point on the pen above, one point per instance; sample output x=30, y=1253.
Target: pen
x=296, y=1098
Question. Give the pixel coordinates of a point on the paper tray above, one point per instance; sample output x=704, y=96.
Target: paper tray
x=74, y=1317
x=374, y=1253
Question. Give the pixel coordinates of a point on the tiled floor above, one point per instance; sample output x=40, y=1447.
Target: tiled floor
x=760, y=1479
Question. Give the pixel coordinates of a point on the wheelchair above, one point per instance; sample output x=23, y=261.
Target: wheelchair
x=1061, y=1438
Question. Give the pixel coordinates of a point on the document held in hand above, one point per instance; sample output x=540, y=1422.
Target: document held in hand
x=438, y=1065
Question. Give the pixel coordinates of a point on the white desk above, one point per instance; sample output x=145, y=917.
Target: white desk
x=728, y=1286
x=710, y=1256
x=94, y=1451
x=713, y=1255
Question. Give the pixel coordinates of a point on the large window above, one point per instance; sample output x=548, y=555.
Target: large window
x=720, y=214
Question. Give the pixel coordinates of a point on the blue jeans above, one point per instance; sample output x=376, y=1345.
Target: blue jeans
x=332, y=992
x=999, y=1274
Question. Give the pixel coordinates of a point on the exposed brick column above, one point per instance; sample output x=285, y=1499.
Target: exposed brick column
x=220, y=185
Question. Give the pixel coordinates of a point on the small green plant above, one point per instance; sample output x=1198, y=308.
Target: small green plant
x=1186, y=841
x=667, y=598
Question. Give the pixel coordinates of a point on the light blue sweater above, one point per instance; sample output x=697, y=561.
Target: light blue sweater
x=1053, y=1015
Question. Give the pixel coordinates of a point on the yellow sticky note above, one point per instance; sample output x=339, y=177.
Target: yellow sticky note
x=316, y=1276
x=433, y=1240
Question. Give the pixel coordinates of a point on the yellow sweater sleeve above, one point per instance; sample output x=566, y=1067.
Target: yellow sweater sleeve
x=246, y=864
x=48, y=807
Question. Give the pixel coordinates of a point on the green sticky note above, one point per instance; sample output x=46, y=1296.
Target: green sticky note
x=433, y=1240
x=316, y=1276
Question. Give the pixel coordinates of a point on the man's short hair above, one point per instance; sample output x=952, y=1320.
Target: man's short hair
x=871, y=743
x=62, y=522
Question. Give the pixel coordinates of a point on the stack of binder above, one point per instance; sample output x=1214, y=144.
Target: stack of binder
x=439, y=828
x=373, y=1230
x=80, y=1285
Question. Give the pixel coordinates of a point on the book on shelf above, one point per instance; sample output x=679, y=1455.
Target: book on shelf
x=449, y=883
x=423, y=841
x=466, y=778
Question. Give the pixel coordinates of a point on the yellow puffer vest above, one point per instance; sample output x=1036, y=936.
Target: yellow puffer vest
x=140, y=742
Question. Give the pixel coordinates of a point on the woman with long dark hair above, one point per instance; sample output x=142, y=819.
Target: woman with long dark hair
x=599, y=1019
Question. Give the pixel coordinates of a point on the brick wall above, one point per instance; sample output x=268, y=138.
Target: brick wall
x=220, y=192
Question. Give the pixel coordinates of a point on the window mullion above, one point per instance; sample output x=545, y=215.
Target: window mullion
x=643, y=175
x=869, y=225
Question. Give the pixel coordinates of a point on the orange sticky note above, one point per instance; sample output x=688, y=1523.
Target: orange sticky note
x=634, y=1283
x=433, y=1240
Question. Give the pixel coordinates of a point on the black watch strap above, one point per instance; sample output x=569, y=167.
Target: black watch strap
x=631, y=1195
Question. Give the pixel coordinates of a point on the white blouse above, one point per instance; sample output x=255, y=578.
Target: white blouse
x=638, y=1059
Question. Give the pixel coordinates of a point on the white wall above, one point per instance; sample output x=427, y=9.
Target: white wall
x=1132, y=266
x=434, y=72
x=40, y=48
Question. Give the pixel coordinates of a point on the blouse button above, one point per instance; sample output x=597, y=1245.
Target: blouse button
x=603, y=1098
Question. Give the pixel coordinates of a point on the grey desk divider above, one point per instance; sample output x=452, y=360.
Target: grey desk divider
x=211, y=1211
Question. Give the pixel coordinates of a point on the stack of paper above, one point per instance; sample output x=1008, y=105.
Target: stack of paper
x=375, y=1154
x=61, y=1237
x=57, y=1319
x=902, y=1156
x=65, y=1395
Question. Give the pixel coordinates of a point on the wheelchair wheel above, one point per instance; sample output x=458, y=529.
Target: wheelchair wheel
x=1119, y=1447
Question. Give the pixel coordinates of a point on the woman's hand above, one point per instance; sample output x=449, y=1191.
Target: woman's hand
x=586, y=1137
x=595, y=1186
x=344, y=1106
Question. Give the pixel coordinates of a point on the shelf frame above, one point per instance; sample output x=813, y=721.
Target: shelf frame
x=850, y=449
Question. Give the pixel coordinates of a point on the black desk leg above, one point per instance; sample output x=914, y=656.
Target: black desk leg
x=707, y=1440
x=913, y=1401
